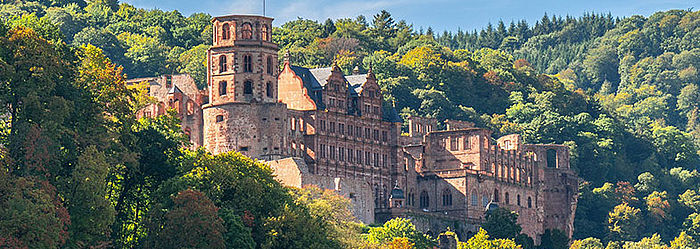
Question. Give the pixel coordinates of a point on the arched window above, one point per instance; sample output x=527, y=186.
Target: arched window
x=190, y=107
x=223, y=88
x=424, y=200
x=529, y=202
x=496, y=196
x=268, y=89
x=223, y=66
x=411, y=197
x=485, y=200
x=507, y=197
x=270, y=65
x=446, y=198
x=551, y=158
x=265, y=33
x=247, y=31
x=225, y=31
x=247, y=64
x=475, y=198
x=248, y=87
x=518, y=200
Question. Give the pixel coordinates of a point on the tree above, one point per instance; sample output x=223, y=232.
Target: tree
x=587, y=243
x=624, y=222
x=554, y=239
x=192, y=223
x=502, y=223
x=398, y=228
x=481, y=240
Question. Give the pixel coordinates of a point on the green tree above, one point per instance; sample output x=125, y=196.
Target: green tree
x=398, y=228
x=624, y=222
x=191, y=223
x=502, y=223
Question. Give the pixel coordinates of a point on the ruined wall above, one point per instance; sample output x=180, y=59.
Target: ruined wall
x=255, y=130
x=294, y=172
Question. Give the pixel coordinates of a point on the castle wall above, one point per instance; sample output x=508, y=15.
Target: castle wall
x=255, y=130
x=294, y=172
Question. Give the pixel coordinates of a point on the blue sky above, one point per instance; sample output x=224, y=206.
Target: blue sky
x=439, y=14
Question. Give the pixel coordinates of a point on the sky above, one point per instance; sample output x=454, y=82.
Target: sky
x=441, y=15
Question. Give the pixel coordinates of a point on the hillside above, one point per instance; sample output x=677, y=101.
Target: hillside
x=622, y=93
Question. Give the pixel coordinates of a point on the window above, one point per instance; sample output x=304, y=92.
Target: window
x=507, y=197
x=424, y=200
x=247, y=64
x=270, y=65
x=359, y=157
x=367, y=133
x=268, y=89
x=496, y=196
x=331, y=102
x=411, y=198
x=385, y=161
x=223, y=88
x=454, y=145
x=322, y=151
x=332, y=152
x=225, y=31
x=265, y=33
x=248, y=87
x=375, y=134
x=341, y=129
x=367, y=108
x=529, y=202
x=351, y=155
x=341, y=154
x=219, y=118
x=358, y=131
x=376, y=110
x=446, y=198
x=341, y=103
x=484, y=201
x=518, y=200
x=368, y=158
x=467, y=144
x=244, y=148
x=323, y=125
x=247, y=31
x=384, y=136
x=376, y=159
x=475, y=198
x=551, y=158
x=223, y=66
x=350, y=130
x=332, y=127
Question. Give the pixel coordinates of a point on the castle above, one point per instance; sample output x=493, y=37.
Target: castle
x=319, y=126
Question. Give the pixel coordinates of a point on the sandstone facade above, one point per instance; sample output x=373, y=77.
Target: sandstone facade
x=319, y=126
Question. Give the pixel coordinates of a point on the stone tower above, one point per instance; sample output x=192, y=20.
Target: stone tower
x=243, y=113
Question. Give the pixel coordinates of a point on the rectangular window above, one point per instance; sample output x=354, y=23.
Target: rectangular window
x=322, y=151
x=322, y=125
x=358, y=131
x=385, y=136
x=341, y=129
x=350, y=130
x=467, y=144
x=332, y=152
x=332, y=127
x=454, y=145
x=368, y=158
x=385, y=161
x=376, y=159
x=376, y=110
x=375, y=134
x=331, y=102
x=367, y=109
x=341, y=104
x=341, y=154
x=351, y=156
x=359, y=157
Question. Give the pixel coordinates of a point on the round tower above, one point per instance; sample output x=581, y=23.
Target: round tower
x=243, y=113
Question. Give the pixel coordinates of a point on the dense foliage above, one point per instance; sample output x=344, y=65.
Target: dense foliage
x=622, y=93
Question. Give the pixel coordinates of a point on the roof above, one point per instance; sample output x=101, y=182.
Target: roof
x=321, y=74
x=397, y=193
x=356, y=82
x=174, y=89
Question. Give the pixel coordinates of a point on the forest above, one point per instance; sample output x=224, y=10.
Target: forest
x=78, y=170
